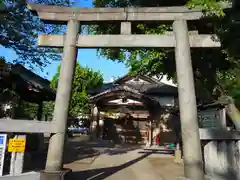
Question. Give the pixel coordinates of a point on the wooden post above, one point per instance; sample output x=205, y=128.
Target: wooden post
x=17, y=160
x=232, y=159
x=126, y=28
x=12, y=163
x=211, y=159
x=101, y=126
x=150, y=133
x=222, y=118
x=225, y=150
x=40, y=111
x=95, y=121
x=222, y=154
x=40, y=135
x=178, y=151
x=60, y=115
x=193, y=163
x=18, y=169
x=91, y=121
x=238, y=159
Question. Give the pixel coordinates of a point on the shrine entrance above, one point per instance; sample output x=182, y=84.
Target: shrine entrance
x=136, y=107
x=127, y=115
x=180, y=39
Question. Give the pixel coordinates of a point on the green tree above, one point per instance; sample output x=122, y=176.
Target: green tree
x=217, y=70
x=1, y=4
x=20, y=28
x=85, y=79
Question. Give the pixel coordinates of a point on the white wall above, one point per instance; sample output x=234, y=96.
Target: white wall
x=166, y=81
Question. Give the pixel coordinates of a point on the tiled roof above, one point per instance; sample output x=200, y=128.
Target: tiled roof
x=153, y=87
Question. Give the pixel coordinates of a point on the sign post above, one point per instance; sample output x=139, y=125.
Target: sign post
x=3, y=140
x=17, y=147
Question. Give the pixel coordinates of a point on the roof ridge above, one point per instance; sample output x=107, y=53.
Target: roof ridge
x=148, y=77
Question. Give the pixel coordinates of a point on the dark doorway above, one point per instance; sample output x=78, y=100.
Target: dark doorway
x=108, y=129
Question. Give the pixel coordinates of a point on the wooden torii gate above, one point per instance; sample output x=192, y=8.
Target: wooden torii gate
x=180, y=39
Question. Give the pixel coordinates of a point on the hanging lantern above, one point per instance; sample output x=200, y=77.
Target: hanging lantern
x=101, y=122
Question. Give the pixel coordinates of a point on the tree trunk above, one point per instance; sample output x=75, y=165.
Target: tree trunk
x=234, y=114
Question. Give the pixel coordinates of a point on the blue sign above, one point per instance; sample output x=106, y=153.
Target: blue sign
x=2, y=140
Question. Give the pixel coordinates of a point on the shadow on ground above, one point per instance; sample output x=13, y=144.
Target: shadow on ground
x=76, y=151
x=103, y=173
x=80, y=155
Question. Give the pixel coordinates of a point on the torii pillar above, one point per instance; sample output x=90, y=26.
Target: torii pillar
x=60, y=115
x=193, y=164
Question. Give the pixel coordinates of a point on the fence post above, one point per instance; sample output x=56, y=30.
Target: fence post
x=17, y=160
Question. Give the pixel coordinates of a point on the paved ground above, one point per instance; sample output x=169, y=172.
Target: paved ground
x=102, y=160
x=98, y=161
x=129, y=165
x=166, y=168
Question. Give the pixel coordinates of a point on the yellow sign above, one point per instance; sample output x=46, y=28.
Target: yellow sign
x=16, y=145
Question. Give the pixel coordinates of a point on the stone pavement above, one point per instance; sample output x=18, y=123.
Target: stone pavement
x=104, y=160
x=129, y=165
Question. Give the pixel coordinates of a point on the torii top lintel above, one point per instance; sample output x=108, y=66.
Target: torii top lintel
x=59, y=13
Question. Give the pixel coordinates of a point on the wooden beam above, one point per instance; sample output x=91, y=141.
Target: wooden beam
x=124, y=16
x=125, y=41
x=26, y=126
x=64, y=9
x=59, y=13
x=170, y=33
x=218, y=134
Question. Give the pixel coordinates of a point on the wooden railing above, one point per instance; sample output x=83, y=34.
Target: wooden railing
x=20, y=128
x=26, y=126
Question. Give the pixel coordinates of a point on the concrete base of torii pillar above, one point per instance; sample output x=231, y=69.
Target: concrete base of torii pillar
x=58, y=175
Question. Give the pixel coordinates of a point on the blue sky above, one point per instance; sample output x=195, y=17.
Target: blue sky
x=86, y=57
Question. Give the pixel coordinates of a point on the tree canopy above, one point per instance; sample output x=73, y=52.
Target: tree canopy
x=209, y=64
x=216, y=69
x=85, y=79
x=20, y=28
